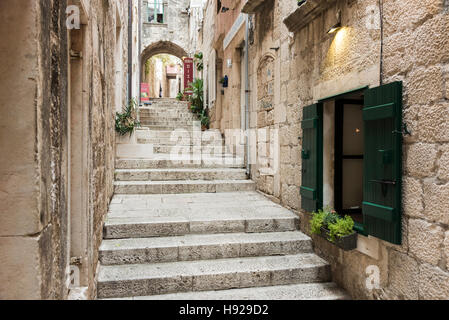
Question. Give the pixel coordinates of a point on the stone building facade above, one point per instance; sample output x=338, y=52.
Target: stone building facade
x=60, y=88
x=296, y=61
x=165, y=29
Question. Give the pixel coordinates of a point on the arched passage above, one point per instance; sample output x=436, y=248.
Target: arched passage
x=159, y=47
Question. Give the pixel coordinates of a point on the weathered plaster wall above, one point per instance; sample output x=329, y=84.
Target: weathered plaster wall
x=34, y=142
x=310, y=65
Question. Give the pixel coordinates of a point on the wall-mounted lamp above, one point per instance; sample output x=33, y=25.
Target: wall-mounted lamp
x=336, y=26
x=224, y=9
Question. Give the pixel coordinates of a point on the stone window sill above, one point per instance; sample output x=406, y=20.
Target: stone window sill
x=304, y=14
x=154, y=24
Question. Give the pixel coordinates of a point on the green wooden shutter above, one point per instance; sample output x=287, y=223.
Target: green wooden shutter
x=382, y=177
x=312, y=158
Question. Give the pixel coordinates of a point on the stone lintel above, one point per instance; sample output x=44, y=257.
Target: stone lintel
x=306, y=13
x=252, y=6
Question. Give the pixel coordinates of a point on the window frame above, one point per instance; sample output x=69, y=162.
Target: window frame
x=358, y=227
x=157, y=4
x=394, y=94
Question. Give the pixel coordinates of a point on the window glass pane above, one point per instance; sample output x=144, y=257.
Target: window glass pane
x=353, y=130
x=352, y=184
x=156, y=11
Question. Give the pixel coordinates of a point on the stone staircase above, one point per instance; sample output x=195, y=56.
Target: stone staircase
x=198, y=230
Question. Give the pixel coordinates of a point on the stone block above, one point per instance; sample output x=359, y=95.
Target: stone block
x=436, y=202
x=443, y=163
x=425, y=241
x=430, y=47
x=20, y=273
x=432, y=126
x=433, y=283
x=423, y=85
x=420, y=159
x=403, y=276
x=412, y=197
x=290, y=196
x=401, y=15
x=286, y=155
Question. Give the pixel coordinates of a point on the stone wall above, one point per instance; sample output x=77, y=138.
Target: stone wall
x=309, y=65
x=35, y=162
x=174, y=30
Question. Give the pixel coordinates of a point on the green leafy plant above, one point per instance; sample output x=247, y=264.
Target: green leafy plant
x=328, y=219
x=317, y=221
x=126, y=121
x=331, y=217
x=180, y=96
x=205, y=120
x=199, y=61
x=341, y=228
x=196, y=99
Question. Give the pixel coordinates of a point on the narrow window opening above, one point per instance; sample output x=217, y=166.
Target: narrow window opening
x=349, y=156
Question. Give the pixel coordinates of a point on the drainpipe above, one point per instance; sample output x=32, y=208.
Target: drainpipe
x=139, y=71
x=248, y=168
x=130, y=49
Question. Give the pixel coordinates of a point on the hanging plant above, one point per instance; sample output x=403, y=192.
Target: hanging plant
x=199, y=61
x=126, y=121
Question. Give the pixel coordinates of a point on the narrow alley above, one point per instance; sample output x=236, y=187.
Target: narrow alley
x=190, y=228
x=216, y=150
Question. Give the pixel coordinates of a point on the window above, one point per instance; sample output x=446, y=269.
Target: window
x=156, y=11
x=349, y=155
x=367, y=166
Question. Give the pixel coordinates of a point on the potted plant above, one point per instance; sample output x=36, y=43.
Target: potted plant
x=126, y=122
x=337, y=230
x=205, y=120
x=180, y=96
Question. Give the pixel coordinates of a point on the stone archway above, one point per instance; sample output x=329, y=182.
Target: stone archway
x=159, y=47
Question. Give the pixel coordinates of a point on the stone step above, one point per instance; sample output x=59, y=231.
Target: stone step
x=147, y=122
x=185, y=186
x=205, y=275
x=179, y=133
x=185, y=127
x=165, y=107
x=180, y=142
x=302, y=291
x=203, y=247
x=177, y=218
x=210, y=151
x=161, y=161
x=179, y=174
x=169, y=115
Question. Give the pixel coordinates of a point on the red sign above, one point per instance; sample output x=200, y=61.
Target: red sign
x=188, y=73
x=145, y=92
